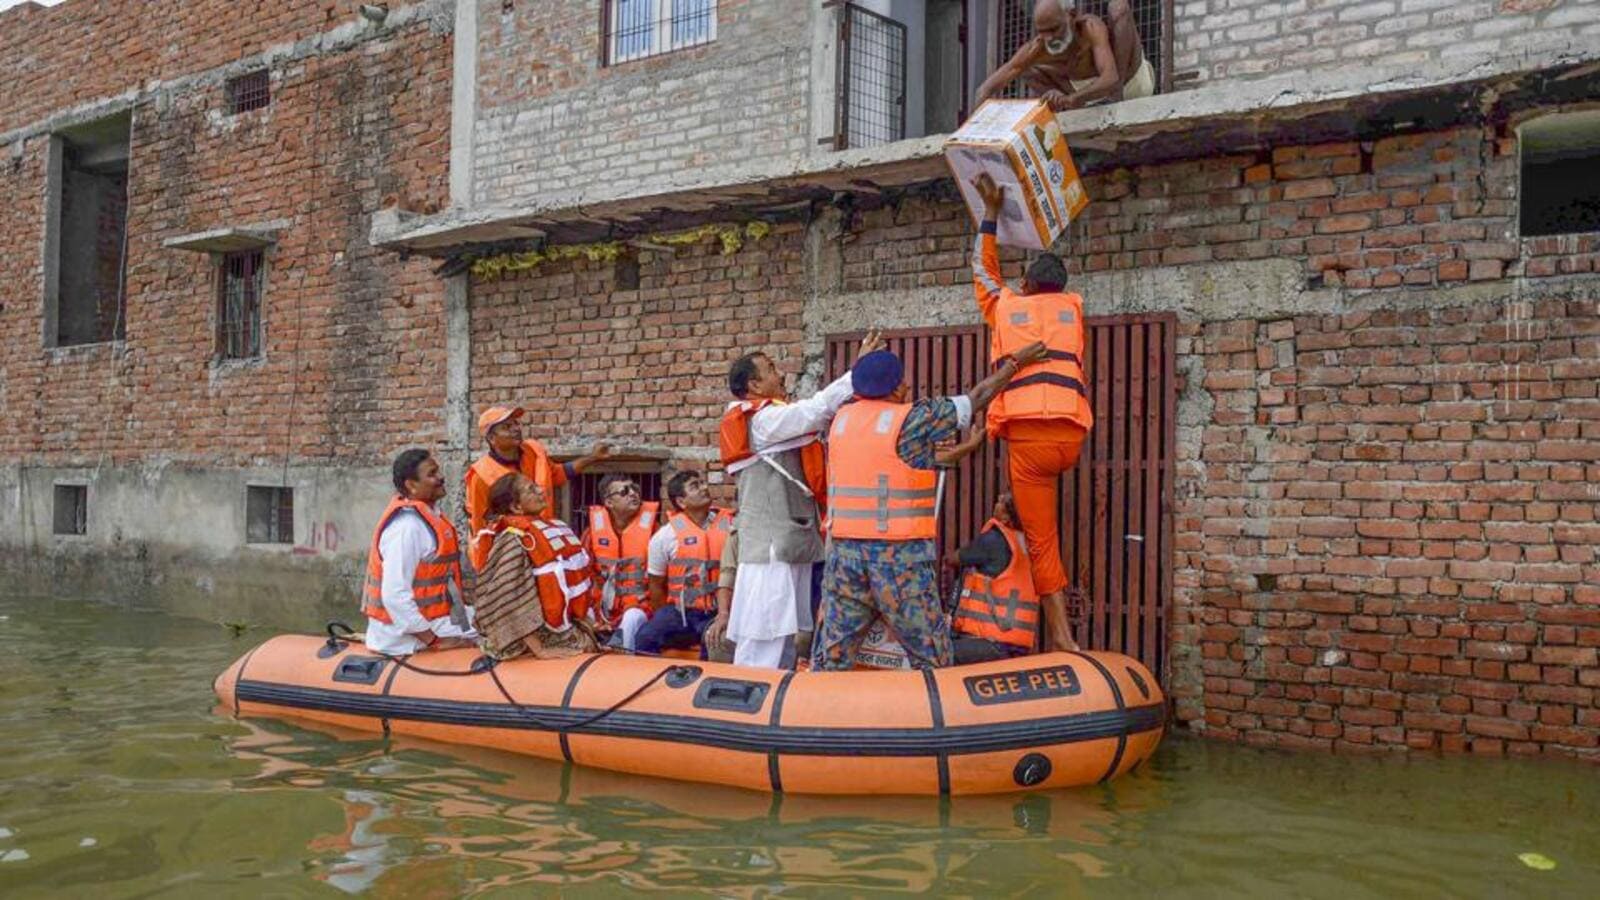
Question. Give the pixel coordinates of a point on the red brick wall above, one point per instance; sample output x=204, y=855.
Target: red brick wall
x=354, y=350
x=1388, y=530
x=77, y=52
x=645, y=368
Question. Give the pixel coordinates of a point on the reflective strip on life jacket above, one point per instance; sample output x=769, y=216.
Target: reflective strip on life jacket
x=872, y=493
x=696, y=560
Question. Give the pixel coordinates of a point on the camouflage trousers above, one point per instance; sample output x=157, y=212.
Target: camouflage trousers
x=897, y=580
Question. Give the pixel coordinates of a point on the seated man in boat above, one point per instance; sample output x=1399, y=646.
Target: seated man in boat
x=618, y=540
x=535, y=580
x=997, y=615
x=685, y=558
x=510, y=451
x=1077, y=59
x=412, y=594
x=881, y=500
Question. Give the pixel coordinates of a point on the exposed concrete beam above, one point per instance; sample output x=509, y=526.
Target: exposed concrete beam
x=463, y=102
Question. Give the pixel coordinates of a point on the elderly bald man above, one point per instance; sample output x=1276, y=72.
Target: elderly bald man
x=1075, y=59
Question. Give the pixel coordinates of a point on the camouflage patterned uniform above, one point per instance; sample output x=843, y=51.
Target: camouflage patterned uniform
x=898, y=580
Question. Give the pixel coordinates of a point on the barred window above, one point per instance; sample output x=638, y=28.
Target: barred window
x=269, y=515
x=70, y=514
x=239, y=305
x=249, y=91
x=635, y=29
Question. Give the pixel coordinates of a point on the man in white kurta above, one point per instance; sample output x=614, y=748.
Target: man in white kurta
x=777, y=523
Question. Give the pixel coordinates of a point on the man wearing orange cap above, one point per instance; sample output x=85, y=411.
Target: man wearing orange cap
x=510, y=452
x=1044, y=414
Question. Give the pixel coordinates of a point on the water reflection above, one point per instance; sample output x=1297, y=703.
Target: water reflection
x=502, y=821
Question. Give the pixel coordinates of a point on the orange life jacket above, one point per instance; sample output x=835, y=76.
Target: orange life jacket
x=1005, y=608
x=696, y=560
x=430, y=586
x=873, y=495
x=737, y=453
x=1055, y=387
x=534, y=462
x=561, y=566
x=621, y=560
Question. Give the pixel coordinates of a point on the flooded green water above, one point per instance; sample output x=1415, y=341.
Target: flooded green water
x=120, y=779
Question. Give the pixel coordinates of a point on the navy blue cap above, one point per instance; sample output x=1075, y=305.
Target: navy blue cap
x=877, y=374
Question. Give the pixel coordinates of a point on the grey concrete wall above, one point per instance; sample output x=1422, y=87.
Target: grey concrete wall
x=1228, y=40
x=171, y=537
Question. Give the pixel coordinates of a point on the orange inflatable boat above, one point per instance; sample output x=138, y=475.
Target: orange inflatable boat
x=1053, y=720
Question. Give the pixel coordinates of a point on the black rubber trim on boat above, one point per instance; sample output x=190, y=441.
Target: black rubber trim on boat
x=1116, y=694
x=936, y=709
x=739, y=736
x=240, y=677
x=773, y=773
x=566, y=700
x=389, y=683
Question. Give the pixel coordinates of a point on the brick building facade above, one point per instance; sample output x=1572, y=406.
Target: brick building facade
x=1379, y=521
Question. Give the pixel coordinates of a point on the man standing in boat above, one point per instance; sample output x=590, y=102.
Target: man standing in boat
x=510, y=451
x=413, y=578
x=1044, y=416
x=881, y=510
x=770, y=446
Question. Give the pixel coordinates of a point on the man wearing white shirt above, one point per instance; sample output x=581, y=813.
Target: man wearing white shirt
x=764, y=442
x=413, y=579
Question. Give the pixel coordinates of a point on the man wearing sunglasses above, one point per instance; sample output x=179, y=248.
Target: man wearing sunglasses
x=618, y=540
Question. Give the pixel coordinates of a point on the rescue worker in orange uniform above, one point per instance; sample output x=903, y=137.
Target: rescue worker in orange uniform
x=535, y=580
x=510, y=451
x=618, y=540
x=881, y=511
x=413, y=582
x=997, y=612
x=685, y=560
x=1044, y=415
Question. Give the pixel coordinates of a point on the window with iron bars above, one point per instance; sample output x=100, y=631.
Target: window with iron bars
x=871, y=89
x=239, y=292
x=635, y=29
x=1014, y=26
x=269, y=515
x=249, y=91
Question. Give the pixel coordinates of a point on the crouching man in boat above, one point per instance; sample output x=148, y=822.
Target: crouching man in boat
x=685, y=560
x=618, y=540
x=536, y=583
x=881, y=510
x=997, y=615
x=770, y=446
x=413, y=582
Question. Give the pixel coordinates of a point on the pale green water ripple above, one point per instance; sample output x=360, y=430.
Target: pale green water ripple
x=120, y=779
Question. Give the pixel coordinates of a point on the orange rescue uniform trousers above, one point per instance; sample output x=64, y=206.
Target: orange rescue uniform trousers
x=1038, y=452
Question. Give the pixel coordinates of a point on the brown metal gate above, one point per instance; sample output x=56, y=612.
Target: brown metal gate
x=1116, y=506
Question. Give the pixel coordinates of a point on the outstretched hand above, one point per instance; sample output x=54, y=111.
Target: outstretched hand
x=871, y=343
x=1030, y=354
x=993, y=194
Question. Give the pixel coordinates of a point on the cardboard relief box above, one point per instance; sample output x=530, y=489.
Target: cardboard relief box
x=1019, y=143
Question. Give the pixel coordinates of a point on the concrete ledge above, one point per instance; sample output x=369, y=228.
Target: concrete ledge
x=1356, y=102
x=224, y=240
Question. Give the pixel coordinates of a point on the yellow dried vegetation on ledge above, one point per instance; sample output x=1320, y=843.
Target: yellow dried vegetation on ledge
x=492, y=268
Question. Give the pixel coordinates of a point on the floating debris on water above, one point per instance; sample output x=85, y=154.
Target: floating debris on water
x=16, y=854
x=1537, y=861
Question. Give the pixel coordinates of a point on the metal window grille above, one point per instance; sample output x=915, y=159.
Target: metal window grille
x=269, y=515
x=70, y=514
x=239, y=305
x=249, y=91
x=634, y=29
x=871, y=81
x=1014, y=26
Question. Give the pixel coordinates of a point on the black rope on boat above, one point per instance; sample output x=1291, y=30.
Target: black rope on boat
x=335, y=639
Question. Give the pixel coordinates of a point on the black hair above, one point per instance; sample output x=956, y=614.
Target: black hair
x=740, y=373
x=1047, y=273
x=503, y=493
x=677, y=485
x=406, y=466
x=609, y=480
